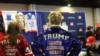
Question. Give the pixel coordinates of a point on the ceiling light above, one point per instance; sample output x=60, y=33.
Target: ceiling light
x=69, y=5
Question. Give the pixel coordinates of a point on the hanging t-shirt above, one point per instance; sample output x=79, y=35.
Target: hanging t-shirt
x=30, y=23
x=8, y=16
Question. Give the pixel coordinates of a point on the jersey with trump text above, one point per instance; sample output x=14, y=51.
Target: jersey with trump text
x=20, y=49
x=57, y=42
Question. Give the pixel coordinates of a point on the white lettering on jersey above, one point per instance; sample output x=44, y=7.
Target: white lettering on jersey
x=54, y=36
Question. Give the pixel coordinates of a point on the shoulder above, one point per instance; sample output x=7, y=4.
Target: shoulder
x=91, y=37
x=5, y=37
x=4, y=40
x=20, y=37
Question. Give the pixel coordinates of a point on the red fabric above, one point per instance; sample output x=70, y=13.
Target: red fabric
x=18, y=50
x=0, y=13
x=29, y=55
x=90, y=40
x=1, y=36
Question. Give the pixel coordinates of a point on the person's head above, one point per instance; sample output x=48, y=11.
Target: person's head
x=55, y=18
x=13, y=31
x=97, y=33
x=20, y=18
x=97, y=30
x=13, y=28
x=89, y=27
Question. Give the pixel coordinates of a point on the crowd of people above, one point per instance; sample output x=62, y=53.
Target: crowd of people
x=54, y=41
x=93, y=41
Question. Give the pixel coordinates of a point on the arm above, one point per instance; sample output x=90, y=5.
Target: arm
x=26, y=47
x=2, y=53
x=76, y=47
x=38, y=45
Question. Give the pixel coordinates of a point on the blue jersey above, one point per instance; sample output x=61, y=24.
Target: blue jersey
x=57, y=42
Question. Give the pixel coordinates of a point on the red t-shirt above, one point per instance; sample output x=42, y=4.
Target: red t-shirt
x=22, y=47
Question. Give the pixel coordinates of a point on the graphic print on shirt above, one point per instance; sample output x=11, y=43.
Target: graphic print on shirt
x=54, y=43
x=30, y=23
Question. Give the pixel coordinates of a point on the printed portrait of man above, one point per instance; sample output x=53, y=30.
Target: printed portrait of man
x=20, y=18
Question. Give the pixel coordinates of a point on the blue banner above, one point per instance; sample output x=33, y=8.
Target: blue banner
x=28, y=21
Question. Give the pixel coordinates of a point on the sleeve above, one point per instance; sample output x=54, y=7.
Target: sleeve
x=38, y=46
x=26, y=47
x=76, y=47
x=2, y=53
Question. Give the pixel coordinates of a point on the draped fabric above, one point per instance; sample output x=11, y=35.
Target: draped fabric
x=40, y=21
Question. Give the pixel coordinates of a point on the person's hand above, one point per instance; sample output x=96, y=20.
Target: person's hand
x=97, y=44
